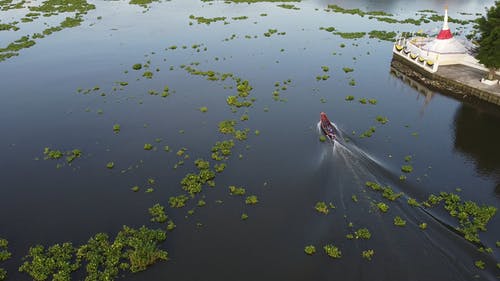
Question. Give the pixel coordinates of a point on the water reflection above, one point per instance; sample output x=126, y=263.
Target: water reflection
x=477, y=136
x=475, y=126
x=422, y=90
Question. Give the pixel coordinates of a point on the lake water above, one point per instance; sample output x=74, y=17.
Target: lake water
x=453, y=144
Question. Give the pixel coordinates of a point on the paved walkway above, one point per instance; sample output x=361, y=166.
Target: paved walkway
x=469, y=76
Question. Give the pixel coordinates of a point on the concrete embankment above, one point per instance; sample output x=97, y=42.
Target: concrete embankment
x=458, y=80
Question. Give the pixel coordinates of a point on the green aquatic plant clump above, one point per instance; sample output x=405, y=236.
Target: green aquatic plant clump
x=288, y=6
x=368, y=254
x=57, y=261
x=222, y=149
x=310, y=250
x=227, y=126
x=471, y=217
x=158, y=214
x=350, y=35
x=178, y=201
x=251, y=200
x=137, y=66
x=322, y=207
x=383, y=35
x=206, y=21
x=234, y=190
x=407, y=168
x=332, y=251
x=398, y=221
x=362, y=233
x=382, y=207
x=4, y=255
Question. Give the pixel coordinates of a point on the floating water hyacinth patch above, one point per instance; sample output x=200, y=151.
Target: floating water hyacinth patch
x=322, y=138
x=349, y=98
x=382, y=119
x=423, y=226
x=203, y=109
x=116, y=128
x=148, y=146
x=178, y=201
x=368, y=254
x=157, y=213
x=407, y=168
x=310, y=250
x=347, y=69
x=332, y=251
x=480, y=264
x=251, y=200
x=398, y=221
x=244, y=216
x=382, y=207
x=233, y=190
x=110, y=165
x=137, y=66
x=321, y=207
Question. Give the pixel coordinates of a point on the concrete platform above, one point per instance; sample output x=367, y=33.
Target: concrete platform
x=468, y=76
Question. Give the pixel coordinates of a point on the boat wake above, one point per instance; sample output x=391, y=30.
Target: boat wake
x=346, y=168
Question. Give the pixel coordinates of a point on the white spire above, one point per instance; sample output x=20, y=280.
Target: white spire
x=445, y=23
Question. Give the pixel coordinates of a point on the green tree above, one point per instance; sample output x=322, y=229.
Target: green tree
x=489, y=39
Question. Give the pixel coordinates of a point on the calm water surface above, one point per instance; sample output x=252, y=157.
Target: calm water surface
x=453, y=144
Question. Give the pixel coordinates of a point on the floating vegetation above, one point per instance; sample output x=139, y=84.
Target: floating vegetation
x=148, y=75
x=227, y=126
x=4, y=255
x=480, y=264
x=423, y=226
x=233, y=190
x=382, y=119
x=310, y=250
x=407, y=168
x=222, y=149
x=368, y=133
x=368, y=254
x=362, y=233
x=362, y=100
x=116, y=128
x=349, y=98
x=398, y=221
x=203, y=109
x=148, y=146
x=244, y=216
x=58, y=261
x=332, y=251
x=137, y=66
x=178, y=201
x=57, y=154
x=240, y=18
x=251, y=200
x=352, y=82
x=288, y=6
x=372, y=101
x=471, y=217
x=135, y=188
x=350, y=35
x=328, y=29
x=387, y=192
x=354, y=198
x=273, y=31
x=412, y=202
x=347, y=69
x=382, y=207
x=383, y=35
x=157, y=213
x=110, y=165
x=322, y=138
x=321, y=207
x=325, y=68
x=206, y=21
